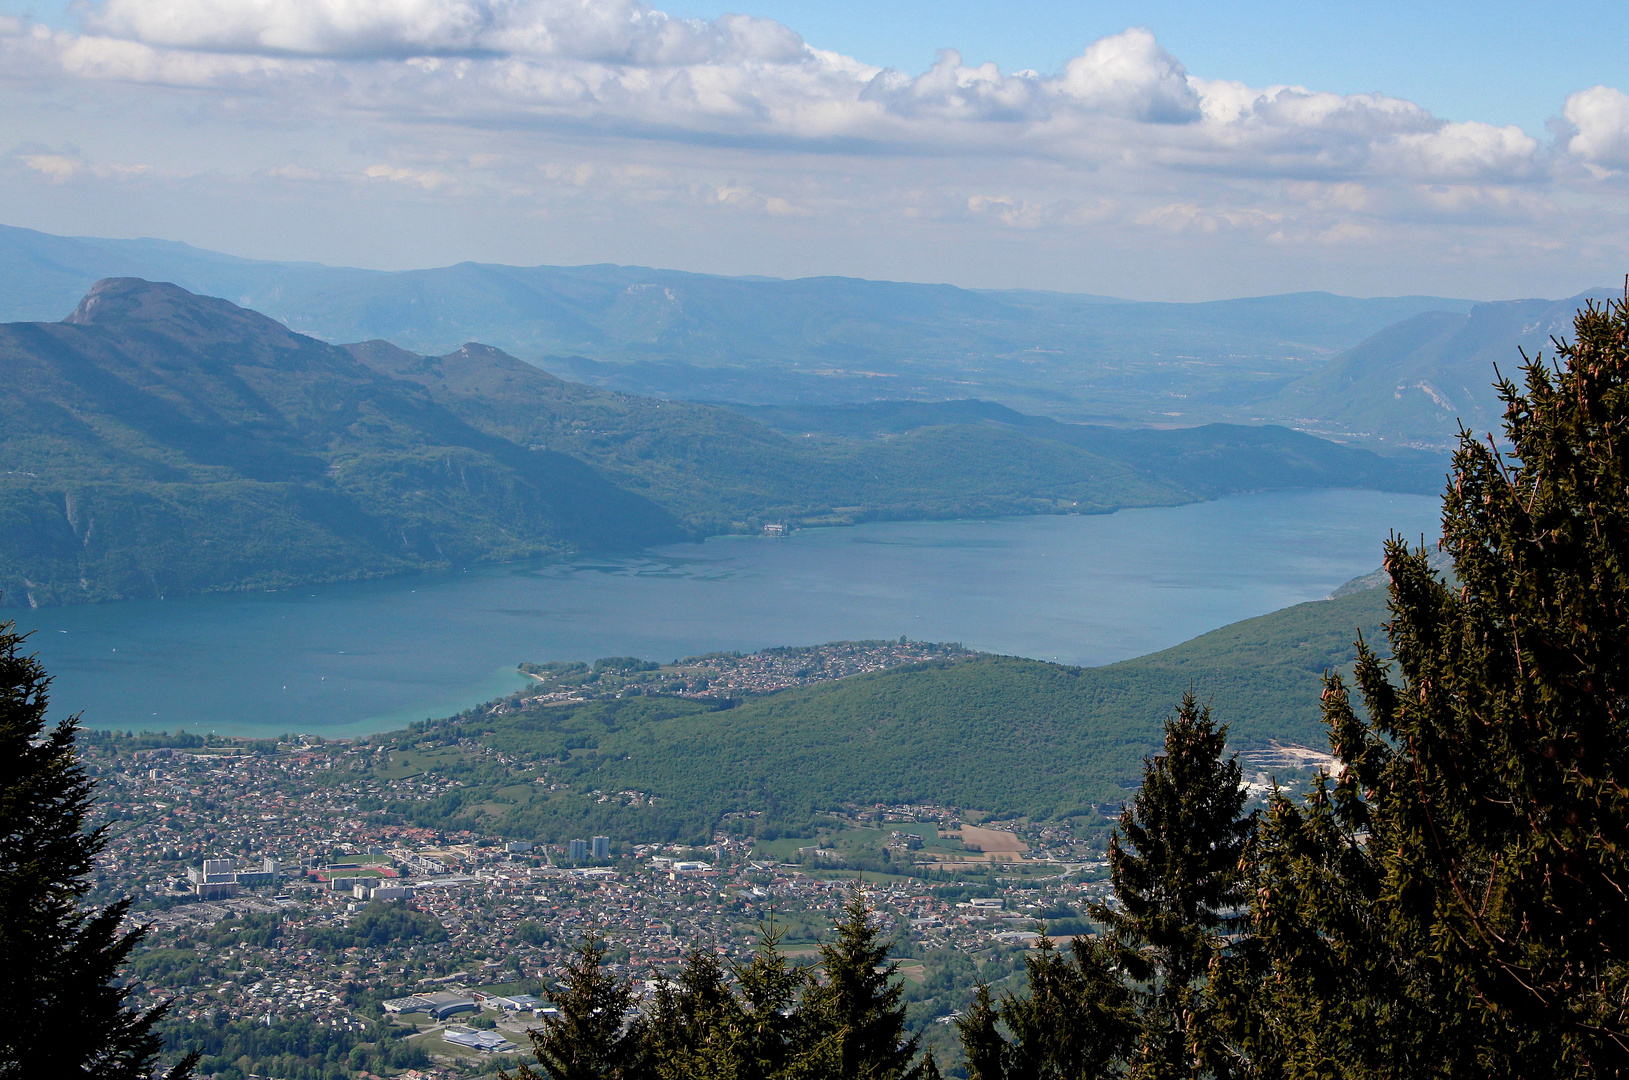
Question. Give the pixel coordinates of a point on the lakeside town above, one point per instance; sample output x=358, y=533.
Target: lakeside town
x=286, y=892
x=722, y=674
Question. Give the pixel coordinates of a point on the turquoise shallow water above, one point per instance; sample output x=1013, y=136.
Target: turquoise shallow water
x=348, y=659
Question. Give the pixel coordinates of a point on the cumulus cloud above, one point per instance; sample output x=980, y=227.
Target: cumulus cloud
x=608, y=31
x=1131, y=75
x=627, y=67
x=1600, y=115
x=1122, y=136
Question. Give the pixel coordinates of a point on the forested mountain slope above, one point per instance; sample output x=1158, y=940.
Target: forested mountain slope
x=159, y=443
x=1412, y=384
x=1002, y=734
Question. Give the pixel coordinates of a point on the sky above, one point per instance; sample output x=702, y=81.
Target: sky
x=1157, y=150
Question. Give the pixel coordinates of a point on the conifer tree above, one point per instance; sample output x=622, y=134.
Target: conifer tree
x=1176, y=866
x=1455, y=901
x=772, y=1041
x=703, y=1028
x=1076, y=1021
x=694, y=1026
x=590, y=1038
x=855, y=1015
x=984, y=1050
x=65, y=1014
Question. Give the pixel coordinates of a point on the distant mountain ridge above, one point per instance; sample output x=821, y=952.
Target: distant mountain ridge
x=1413, y=383
x=158, y=443
x=764, y=340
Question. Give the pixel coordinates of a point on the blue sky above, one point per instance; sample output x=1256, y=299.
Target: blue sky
x=1155, y=150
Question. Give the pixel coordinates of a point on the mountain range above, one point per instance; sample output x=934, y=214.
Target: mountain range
x=157, y=442
x=762, y=340
x=1388, y=372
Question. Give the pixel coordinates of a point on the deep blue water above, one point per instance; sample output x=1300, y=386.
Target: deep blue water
x=349, y=659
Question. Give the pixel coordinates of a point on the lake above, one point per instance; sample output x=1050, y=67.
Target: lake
x=349, y=659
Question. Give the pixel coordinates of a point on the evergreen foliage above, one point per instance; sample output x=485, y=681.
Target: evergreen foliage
x=590, y=1037
x=762, y=1020
x=1078, y=1019
x=857, y=1004
x=1453, y=901
x=65, y=1014
x=703, y=1027
x=1177, y=866
x=1136, y=1001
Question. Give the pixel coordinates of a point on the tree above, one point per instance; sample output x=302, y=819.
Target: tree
x=1455, y=900
x=704, y=1028
x=855, y=1013
x=1076, y=1022
x=590, y=1038
x=1176, y=863
x=772, y=1037
x=695, y=1026
x=66, y=1014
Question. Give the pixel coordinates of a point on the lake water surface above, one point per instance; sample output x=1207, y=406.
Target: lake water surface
x=349, y=659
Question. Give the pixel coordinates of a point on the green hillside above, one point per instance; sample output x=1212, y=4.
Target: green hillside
x=158, y=443
x=1001, y=734
x=1414, y=383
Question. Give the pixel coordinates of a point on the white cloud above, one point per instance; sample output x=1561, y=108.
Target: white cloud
x=627, y=68
x=1601, y=117
x=1129, y=74
x=428, y=179
x=59, y=167
x=608, y=31
x=594, y=105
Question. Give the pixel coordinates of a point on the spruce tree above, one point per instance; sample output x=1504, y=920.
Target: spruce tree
x=590, y=1038
x=772, y=1040
x=1076, y=1021
x=855, y=1016
x=694, y=1026
x=1176, y=865
x=65, y=1014
x=984, y=1050
x=1455, y=900
x=705, y=1029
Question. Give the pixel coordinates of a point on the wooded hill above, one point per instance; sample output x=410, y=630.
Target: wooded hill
x=1010, y=736
x=158, y=443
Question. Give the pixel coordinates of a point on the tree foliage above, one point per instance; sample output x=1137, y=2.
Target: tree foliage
x=762, y=1020
x=590, y=1037
x=1176, y=862
x=1452, y=901
x=1134, y=1001
x=66, y=1013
